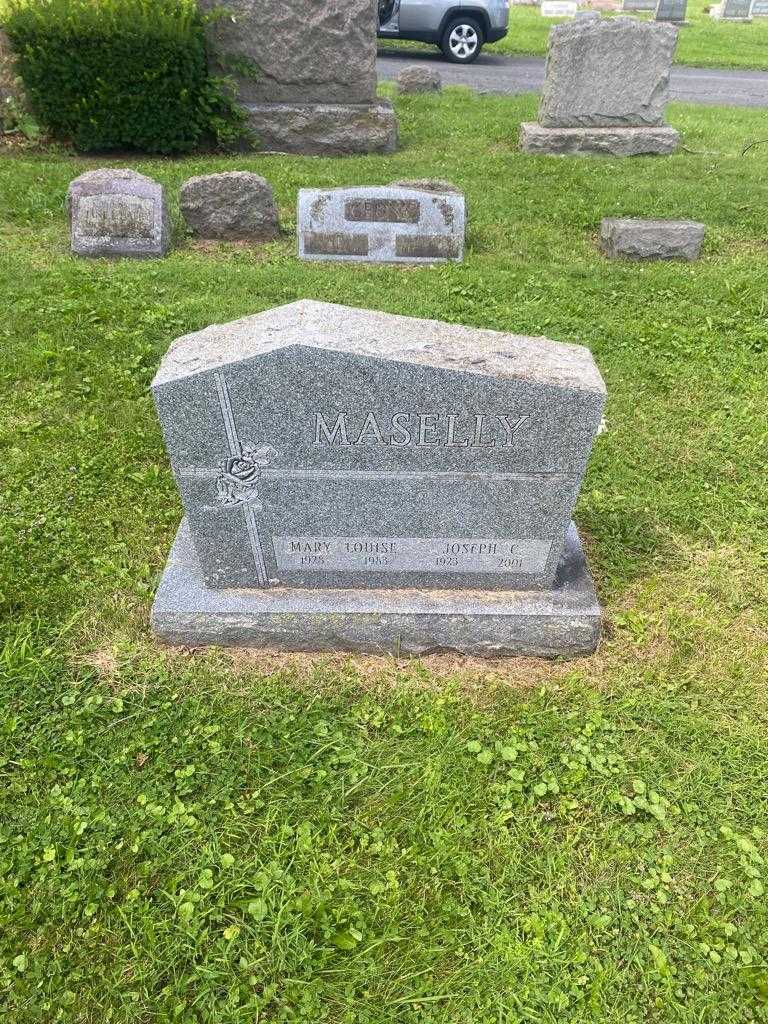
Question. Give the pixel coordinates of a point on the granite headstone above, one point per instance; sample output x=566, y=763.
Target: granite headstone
x=305, y=73
x=380, y=224
x=232, y=205
x=118, y=212
x=357, y=479
x=673, y=11
x=606, y=87
x=558, y=8
x=733, y=10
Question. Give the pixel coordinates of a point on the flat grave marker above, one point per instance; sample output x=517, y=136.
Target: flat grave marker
x=558, y=8
x=390, y=224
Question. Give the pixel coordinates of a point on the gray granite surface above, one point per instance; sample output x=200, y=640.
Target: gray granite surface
x=564, y=621
x=612, y=72
x=633, y=238
x=538, y=140
x=323, y=129
x=233, y=205
x=673, y=11
x=382, y=224
x=300, y=52
x=418, y=78
x=319, y=446
x=117, y=212
x=312, y=82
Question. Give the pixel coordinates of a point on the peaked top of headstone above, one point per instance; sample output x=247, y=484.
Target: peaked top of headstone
x=368, y=333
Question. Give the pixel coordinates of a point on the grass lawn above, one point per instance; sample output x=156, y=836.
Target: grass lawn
x=703, y=43
x=252, y=838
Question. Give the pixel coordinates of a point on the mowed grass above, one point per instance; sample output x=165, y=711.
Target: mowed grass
x=703, y=43
x=218, y=838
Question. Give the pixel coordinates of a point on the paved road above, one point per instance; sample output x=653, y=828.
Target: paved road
x=493, y=72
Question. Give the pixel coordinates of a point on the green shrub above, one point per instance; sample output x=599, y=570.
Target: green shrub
x=121, y=74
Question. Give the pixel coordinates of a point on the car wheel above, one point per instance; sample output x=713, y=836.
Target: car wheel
x=462, y=40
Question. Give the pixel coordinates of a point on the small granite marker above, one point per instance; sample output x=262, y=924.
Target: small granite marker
x=357, y=480
x=605, y=90
x=732, y=10
x=651, y=239
x=387, y=224
x=672, y=11
x=235, y=205
x=558, y=8
x=632, y=6
x=117, y=212
x=417, y=78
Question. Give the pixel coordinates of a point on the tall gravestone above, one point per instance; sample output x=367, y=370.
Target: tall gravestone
x=357, y=480
x=309, y=73
x=606, y=88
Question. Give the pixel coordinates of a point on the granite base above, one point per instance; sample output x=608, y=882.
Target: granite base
x=323, y=129
x=562, y=622
x=618, y=141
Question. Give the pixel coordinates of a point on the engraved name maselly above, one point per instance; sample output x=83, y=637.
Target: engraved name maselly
x=424, y=429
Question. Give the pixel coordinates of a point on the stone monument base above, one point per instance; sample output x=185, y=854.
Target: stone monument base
x=617, y=141
x=562, y=622
x=327, y=129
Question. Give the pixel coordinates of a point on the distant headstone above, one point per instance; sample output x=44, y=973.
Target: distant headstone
x=671, y=10
x=385, y=224
x=759, y=9
x=605, y=89
x=637, y=239
x=235, y=205
x=419, y=78
x=558, y=8
x=305, y=74
x=117, y=212
x=587, y=16
x=733, y=10
x=358, y=480
x=633, y=6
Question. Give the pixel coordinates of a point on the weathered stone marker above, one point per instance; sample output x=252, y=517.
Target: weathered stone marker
x=390, y=224
x=312, y=86
x=637, y=239
x=632, y=6
x=605, y=90
x=358, y=480
x=117, y=212
x=759, y=9
x=732, y=10
x=416, y=78
x=673, y=11
x=558, y=8
x=235, y=205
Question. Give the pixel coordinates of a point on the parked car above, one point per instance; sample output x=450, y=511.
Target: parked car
x=459, y=29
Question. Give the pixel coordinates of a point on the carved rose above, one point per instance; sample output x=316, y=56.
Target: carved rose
x=241, y=469
x=241, y=473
